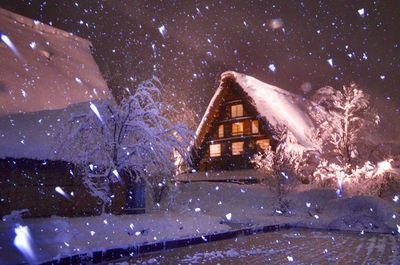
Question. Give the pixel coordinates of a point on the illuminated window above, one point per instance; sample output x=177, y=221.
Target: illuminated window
x=215, y=150
x=263, y=143
x=237, y=110
x=254, y=126
x=237, y=128
x=237, y=148
x=221, y=131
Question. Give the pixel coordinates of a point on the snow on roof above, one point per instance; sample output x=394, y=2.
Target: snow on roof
x=37, y=135
x=44, y=68
x=278, y=106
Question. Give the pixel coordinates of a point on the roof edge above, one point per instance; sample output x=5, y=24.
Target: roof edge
x=40, y=26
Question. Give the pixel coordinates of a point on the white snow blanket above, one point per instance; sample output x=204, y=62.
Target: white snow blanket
x=44, y=68
x=36, y=135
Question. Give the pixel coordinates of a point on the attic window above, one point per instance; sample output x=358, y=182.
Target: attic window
x=263, y=144
x=221, y=131
x=237, y=128
x=237, y=148
x=237, y=110
x=254, y=126
x=215, y=150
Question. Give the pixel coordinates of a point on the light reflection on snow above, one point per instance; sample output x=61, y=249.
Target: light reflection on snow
x=23, y=241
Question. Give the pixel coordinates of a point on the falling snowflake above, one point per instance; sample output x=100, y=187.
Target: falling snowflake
x=23, y=242
x=61, y=192
x=330, y=62
x=272, y=68
x=115, y=172
x=162, y=30
x=228, y=216
x=96, y=111
x=361, y=12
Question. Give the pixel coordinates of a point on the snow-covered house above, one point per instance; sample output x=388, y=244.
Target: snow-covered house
x=46, y=75
x=238, y=123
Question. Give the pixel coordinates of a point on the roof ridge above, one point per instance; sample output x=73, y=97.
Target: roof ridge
x=40, y=26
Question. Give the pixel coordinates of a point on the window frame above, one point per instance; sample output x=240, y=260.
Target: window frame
x=257, y=127
x=213, y=152
x=234, y=150
x=235, y=110
x=221, y=132
x=237, y=132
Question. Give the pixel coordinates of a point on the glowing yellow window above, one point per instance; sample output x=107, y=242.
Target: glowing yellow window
x=237, y=148
x=263, y=143
x=237, y=110
x=254, y=126
x=215, y=150
x=221, y=131
x=237, y=128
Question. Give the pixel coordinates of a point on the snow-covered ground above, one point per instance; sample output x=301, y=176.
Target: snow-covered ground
x=306, y=207
x=198, y=209
x=294, y=246
x=59, y=237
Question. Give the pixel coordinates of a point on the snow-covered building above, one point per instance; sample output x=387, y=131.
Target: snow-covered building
x=46, y=75
x=238, y=123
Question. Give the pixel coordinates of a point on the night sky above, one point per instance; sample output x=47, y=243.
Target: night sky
x=188, y=44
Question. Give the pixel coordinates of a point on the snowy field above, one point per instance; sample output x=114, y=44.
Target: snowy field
x=285, y=247
x=200, y=209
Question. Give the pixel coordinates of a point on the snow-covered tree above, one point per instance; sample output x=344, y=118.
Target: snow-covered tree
x=347, y=116
x=282, y=165
x=131, y=140
x=343, y=117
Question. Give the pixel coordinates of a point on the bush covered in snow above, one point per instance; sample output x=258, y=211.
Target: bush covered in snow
x=343, y=117
x=130, y=141
x=342, y=157
x=281, y=165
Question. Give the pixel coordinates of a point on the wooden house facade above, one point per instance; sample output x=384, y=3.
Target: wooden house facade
x=238, y=123
x=234, y=134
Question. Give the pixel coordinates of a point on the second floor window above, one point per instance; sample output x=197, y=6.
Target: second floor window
x=237, y=128
x=254, y=126
x=221, y=131
x=237, y=110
